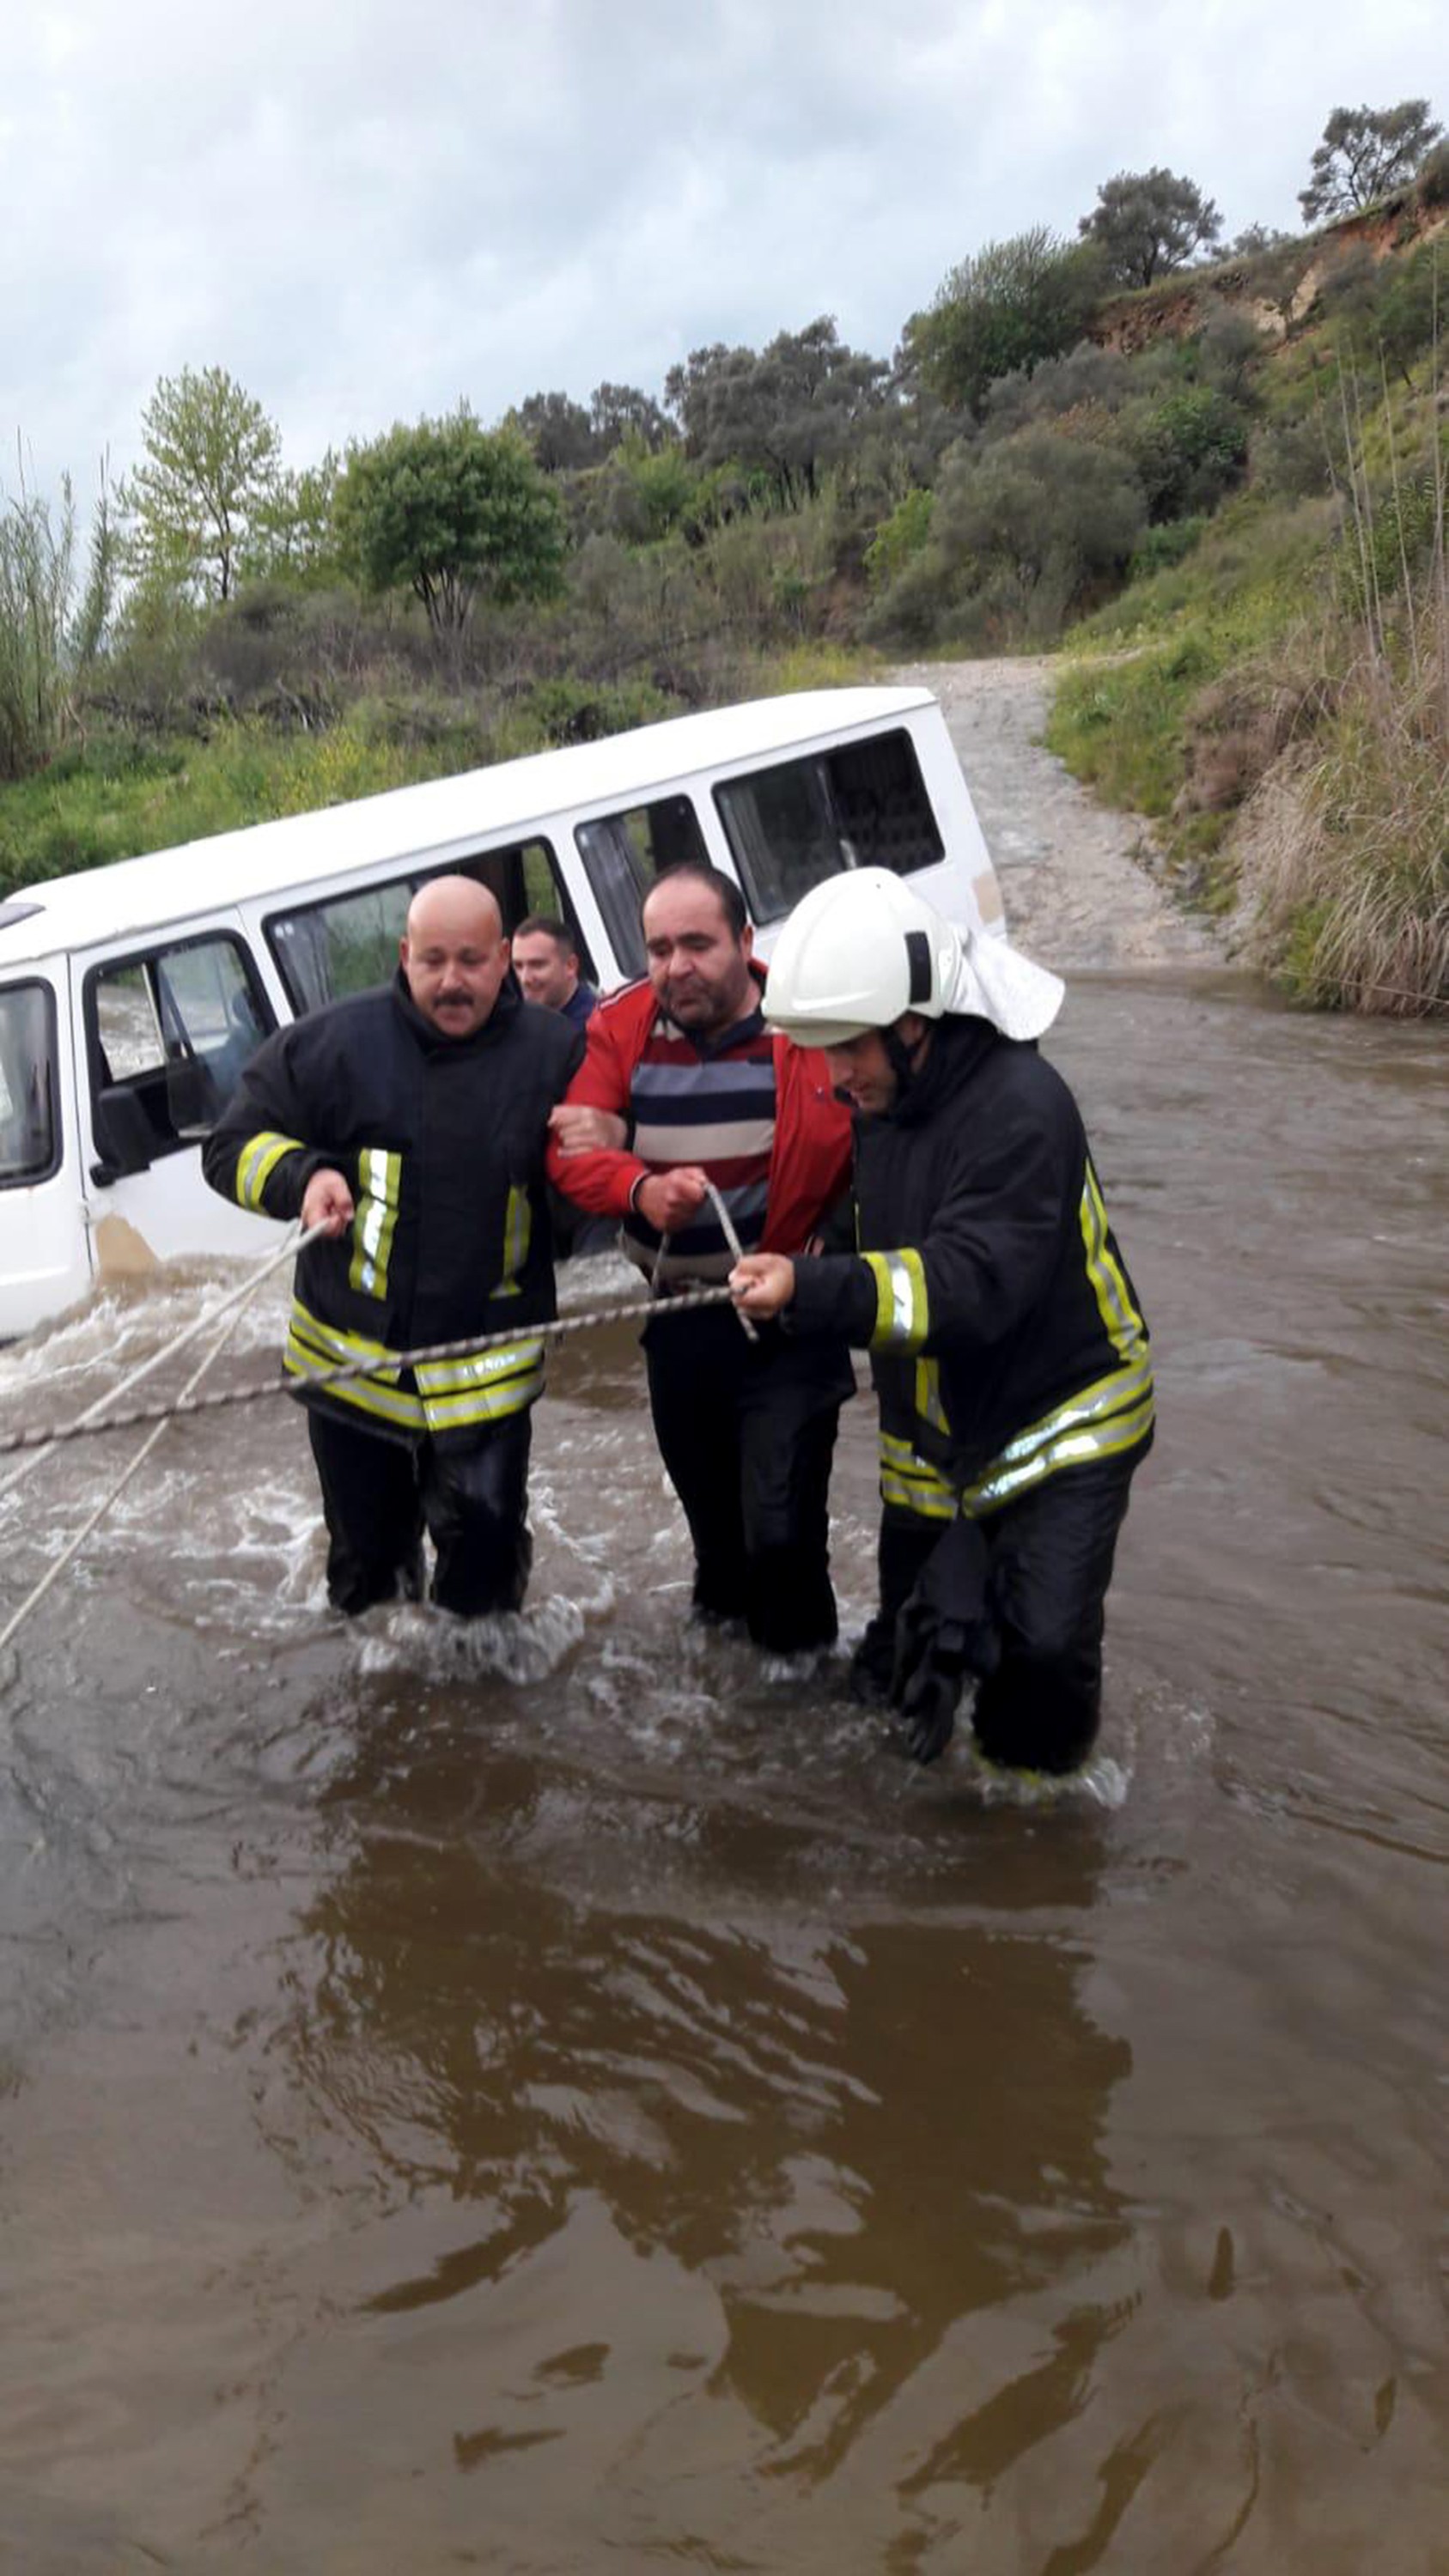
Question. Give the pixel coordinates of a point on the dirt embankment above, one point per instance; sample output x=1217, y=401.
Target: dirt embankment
x=1075, y=876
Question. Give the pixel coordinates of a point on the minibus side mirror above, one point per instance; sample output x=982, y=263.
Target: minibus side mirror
x=123, y=1133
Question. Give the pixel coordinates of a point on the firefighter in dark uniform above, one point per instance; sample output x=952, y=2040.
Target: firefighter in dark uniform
x=1008, y=1349
x=411, y=1121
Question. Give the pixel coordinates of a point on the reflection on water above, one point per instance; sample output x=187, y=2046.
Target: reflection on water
x=791, y=2111
x=562, y=2095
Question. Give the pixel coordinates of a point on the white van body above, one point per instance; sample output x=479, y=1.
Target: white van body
x=131, y=996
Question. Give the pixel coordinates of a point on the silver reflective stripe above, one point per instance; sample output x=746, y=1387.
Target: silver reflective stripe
x=903, y=1303
x=380, y=1177
x=1108, y=1395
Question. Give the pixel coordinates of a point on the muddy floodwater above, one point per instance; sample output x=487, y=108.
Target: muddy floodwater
x=563, y=2096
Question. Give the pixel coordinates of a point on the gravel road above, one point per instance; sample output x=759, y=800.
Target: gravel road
x=1073, y=877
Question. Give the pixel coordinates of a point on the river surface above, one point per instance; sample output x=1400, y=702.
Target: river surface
x=563, y=2096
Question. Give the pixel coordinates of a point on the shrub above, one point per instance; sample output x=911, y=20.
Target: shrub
x=569, y=710
x=898, y=538
x=1020, y=532
x=1031, y=395
x=1163, y=545
x=1189, y=451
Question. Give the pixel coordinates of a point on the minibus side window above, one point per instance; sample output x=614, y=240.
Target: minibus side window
x=170, y=1035
x=863, y=805
x=624, y=853
x=29, y=1091
x=327, y=950
x=348, y=942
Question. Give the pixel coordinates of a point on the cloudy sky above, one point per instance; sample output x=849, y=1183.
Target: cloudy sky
x=367, y=208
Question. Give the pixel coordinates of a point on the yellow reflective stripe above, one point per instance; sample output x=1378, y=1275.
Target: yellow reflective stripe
x=452, y=1377
x=384, y=1403
x=1105, y=1396
x=333, y=1342
x=928, y=1395
x=257, y=1161
x=1101, y=1421
x=911, y=1483
x=491, y=1404
x=1121, y=1322
x=457, y=1393
x=312, y=1344
x=517, y=1232
x=1077, y=1448
x=452, y=1394
x=902, y=1310
x=910, y=1498
x=373, y=1228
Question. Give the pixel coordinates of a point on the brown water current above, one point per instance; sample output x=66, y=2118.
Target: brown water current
x=564, y=2096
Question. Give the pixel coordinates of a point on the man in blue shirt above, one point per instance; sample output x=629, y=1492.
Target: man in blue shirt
x=546, y=962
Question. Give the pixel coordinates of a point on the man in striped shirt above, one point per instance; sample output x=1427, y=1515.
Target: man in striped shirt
x=719, y=1114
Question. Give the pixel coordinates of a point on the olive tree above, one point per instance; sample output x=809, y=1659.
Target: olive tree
x=787, y=412
x=1365, y=153
x=450, y=511
x=1147, y=222
x=212, y=464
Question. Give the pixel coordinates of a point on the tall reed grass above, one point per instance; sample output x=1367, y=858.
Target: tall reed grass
x=1354, y=897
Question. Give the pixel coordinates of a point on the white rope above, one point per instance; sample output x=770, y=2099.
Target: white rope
x=296, y=1382
x=234, y=1306
x=293, y=1243
x=727, y=1228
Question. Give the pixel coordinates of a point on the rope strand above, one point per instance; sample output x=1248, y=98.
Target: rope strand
x=87, y=1427
x=295, y=1242
x=234, y=1306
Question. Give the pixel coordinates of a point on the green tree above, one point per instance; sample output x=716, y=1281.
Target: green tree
x=293, y=534
x=788, y=412
x=450, y=511
x=1015, y=303
x=558, y=430
x=1147, y=222
x=211, y=464
x=617, y=412
x=1366, y=153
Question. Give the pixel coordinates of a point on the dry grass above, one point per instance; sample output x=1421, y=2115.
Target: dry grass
x=1354, y=900
x=1354, y=892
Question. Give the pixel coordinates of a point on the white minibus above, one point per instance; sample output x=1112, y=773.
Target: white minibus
x=132, y=996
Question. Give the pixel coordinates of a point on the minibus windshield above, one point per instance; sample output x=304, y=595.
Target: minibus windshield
x=28, y=1086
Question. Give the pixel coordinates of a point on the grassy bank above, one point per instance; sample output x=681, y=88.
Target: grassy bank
x=1278, y=703
x=1176, y=697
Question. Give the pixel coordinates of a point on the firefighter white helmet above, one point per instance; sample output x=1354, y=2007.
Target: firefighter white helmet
x=862, y=948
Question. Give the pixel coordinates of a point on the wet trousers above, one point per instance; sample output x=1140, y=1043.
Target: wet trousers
x=378, y=1496
x=747, y=1432
x=1048, y=1565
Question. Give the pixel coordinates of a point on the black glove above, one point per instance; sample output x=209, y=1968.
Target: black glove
x=942, y=1635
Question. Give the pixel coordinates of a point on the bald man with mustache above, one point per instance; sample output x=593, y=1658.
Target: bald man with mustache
x=410, y=1123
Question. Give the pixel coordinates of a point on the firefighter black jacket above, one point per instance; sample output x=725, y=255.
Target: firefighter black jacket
x=441, y=1141
x=1005, y=1337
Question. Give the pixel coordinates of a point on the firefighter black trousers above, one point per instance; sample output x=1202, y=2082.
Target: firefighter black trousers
x=747, y=1432
x=379, y=1495
x=1049, y=1565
